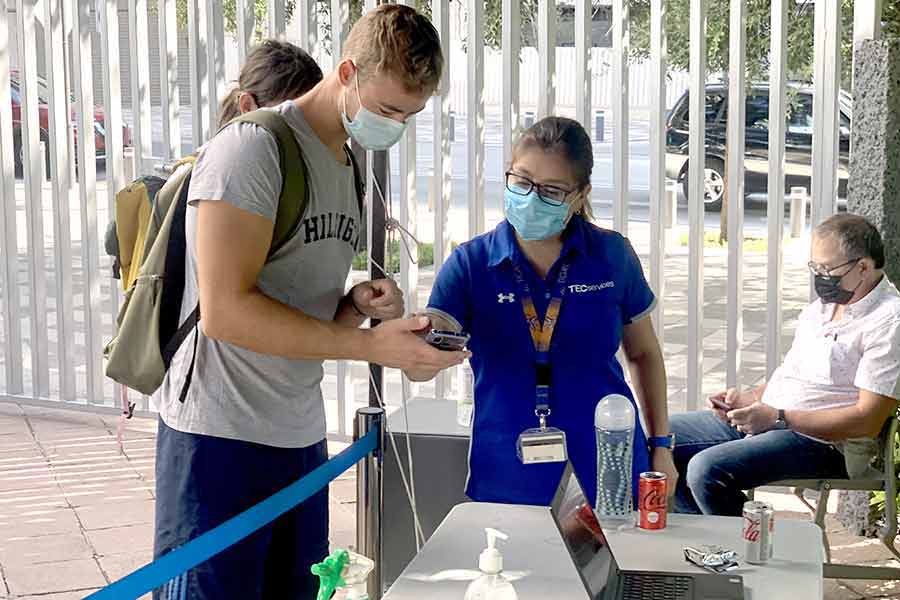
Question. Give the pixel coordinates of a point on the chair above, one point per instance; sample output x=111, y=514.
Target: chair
x=886, y=481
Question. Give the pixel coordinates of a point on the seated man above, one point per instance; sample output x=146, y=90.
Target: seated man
x=838, y=382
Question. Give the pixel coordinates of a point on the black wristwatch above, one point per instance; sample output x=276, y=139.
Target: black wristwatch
x=780, y=422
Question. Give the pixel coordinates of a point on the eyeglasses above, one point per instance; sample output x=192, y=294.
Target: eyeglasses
x=817, y=269
x=522, y=186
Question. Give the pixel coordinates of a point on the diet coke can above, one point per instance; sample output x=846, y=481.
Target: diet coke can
x=652, y=500
x=759, y=529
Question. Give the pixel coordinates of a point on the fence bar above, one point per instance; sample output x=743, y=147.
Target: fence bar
x=195, y=44
x=61, y=186
x=658, y=9
x=306, y=21
x=170, y=91
x=112, y=100
x=735, y=188
x=440, y=14
x=546, y=57
x=621, y=48
x=583, y=74
x=277, y=18
x=112, y=97
x=245, y=21
x=216, y=57
x=826, y=79
x=32, y=169
x=206, y=66
x=9, y=243
x=340, y=27
x=696, y=204
x=775, y=213
x=370, y=496
x=512, y=30
x=87, y=185
x=475, y=114
x=140, y=82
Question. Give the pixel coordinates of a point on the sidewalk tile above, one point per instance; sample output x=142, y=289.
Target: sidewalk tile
x=43, y=549
x=54, y=577
x=54, y=522
x=117, y=566
x=79, y=595
x=836, y=590
x=116, y=514
x=118, y=540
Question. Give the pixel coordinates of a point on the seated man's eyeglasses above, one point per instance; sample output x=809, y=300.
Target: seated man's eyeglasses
x=826, y=271
x=522, y=186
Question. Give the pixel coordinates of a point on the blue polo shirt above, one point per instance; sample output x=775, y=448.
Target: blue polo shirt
x=606, y=290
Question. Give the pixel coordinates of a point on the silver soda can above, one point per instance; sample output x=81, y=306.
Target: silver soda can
x=759, y=527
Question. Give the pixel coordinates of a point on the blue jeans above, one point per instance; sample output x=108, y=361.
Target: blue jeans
x=716, y=463
x=202, y=481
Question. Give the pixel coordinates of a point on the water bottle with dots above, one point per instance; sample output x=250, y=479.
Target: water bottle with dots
x=614, y=427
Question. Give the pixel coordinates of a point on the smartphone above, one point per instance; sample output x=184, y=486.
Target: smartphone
x=447, y=340
x=720, y=404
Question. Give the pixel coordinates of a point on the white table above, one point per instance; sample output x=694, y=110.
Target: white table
x=536, y=554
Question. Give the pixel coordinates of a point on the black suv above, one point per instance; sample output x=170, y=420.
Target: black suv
x=798, y=148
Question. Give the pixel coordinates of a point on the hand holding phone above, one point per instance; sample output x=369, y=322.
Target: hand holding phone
x=719, y=402
x=447, y=340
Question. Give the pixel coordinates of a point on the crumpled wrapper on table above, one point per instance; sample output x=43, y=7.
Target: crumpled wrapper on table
x=712, y=558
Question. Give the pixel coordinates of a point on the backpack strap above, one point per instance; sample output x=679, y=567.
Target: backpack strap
x=292, y=202
x=358, y=181
x=294, y=197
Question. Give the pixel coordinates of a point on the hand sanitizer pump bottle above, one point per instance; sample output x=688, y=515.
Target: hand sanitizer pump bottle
x=491, y=585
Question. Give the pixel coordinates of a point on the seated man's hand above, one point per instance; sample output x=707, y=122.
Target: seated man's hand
x=753, y=419
x=728, y=400
x=380, y=299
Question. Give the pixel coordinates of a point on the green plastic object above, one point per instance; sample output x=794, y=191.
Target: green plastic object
x=329, y=572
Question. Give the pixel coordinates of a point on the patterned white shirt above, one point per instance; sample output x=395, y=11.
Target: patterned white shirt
x=829, y=362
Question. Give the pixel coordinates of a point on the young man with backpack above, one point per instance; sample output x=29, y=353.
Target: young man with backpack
x=251, y=420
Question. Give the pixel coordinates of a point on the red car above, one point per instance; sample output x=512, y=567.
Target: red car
x=44, y=119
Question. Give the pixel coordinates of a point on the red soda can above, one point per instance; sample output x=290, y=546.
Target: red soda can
x=652, y=500
x=758, y=533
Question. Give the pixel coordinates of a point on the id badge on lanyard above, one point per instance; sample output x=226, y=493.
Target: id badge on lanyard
x=542, y=444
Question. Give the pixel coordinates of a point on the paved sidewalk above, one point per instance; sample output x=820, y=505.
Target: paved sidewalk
x=76, y=514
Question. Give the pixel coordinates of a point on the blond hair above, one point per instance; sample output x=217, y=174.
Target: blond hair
x=399, y=40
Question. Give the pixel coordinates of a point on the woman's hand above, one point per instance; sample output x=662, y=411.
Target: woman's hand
x=661, y=460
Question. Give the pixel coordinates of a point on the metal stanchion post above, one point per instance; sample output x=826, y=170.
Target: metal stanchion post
x=798, y=211
x=130, y=164
x=369, y=494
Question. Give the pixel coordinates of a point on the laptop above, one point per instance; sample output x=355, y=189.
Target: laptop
x=599, y=571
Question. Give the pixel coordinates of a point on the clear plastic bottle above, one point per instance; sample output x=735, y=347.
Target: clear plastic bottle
x=465, y=401
x=614, y=427
x=491, y=585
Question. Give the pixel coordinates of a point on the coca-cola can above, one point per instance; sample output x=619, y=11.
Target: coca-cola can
x=652, y=500
x=759, y=530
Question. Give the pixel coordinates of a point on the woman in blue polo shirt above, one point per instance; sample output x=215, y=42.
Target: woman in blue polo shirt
x=548, y=298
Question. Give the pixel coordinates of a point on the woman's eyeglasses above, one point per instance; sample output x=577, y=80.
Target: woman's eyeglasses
x=522, y=186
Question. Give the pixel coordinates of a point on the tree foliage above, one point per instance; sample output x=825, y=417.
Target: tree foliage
x=758, y=30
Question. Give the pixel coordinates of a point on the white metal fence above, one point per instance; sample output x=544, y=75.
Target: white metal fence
x=59, y=301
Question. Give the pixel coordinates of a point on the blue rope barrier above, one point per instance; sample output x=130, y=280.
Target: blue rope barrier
x=171, y=565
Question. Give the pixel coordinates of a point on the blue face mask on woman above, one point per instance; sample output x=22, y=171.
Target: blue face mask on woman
x=533, y=218
x=371, y=131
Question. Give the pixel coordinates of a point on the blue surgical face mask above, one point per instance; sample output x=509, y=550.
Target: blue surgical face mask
x=533, y=218
x=371, y=131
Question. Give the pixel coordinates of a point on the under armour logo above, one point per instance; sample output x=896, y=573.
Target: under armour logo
x=501, y=298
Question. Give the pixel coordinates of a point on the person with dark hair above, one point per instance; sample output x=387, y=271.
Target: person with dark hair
x=274, y=71
x=821, y=412
x=548, y=298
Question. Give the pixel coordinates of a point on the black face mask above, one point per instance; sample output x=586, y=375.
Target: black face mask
x=829, y=289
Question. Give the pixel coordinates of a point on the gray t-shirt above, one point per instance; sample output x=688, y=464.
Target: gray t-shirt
x=236, y=393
